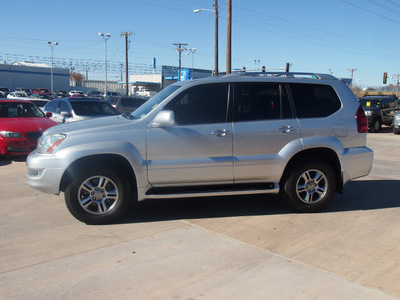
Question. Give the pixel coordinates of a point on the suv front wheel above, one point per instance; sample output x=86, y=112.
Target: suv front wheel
x=97, y=196
x=310, y=186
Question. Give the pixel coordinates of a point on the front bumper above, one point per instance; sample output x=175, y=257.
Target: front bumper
x=45, y=172
x=13, y=147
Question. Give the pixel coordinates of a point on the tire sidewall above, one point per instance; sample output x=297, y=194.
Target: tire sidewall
x=376, y=126
x=75, y=208
x=289, y=189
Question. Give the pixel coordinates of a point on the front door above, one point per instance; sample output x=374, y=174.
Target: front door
x=198, y=148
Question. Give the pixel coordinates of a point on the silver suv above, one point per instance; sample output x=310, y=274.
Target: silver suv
x=300, y=135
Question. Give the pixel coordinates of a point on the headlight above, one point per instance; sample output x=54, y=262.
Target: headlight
x=368, y=112
x=48, y=143
x=11, y=135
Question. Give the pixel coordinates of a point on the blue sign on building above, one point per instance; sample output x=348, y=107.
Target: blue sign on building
x=186, y=74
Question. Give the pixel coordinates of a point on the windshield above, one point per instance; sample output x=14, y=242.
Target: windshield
x=93, y=108
x=19, y=110
x=153, y=102
x=370, y=102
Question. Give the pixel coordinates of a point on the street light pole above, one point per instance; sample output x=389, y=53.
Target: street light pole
x=215, y=11
x=52, y=57
x=192, y=51
x=105, y=38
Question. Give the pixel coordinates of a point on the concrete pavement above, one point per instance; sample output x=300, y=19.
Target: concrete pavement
x=216, y=248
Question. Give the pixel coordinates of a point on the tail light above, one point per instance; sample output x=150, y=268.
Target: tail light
x=362, y=121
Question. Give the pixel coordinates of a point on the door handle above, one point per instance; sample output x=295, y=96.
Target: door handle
x=221, y=132
x=287, y=128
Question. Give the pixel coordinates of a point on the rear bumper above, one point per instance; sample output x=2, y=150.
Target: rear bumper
x=356, y=162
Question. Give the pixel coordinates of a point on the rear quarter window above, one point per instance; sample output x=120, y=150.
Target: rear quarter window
x=314, y=100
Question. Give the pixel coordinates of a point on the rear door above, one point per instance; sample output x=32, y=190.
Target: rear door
x=263, y=128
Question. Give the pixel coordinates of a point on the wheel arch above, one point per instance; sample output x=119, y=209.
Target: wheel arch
x=324, y=154
x=112, y=161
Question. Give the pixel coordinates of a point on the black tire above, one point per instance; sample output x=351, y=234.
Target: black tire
x=396, y=131
x=376, y=125
x=98, y=195
x=309, y=187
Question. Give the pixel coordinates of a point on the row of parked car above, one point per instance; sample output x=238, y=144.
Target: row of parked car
x=44, y=93
x=23, y=118
x=382, y=110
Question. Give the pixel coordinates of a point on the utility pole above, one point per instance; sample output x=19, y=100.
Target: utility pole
x=229, y=37
x=352, y=72
x=180, y=47
x=216, y=39
x=126, y=35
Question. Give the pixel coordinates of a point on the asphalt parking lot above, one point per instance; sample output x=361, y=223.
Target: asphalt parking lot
x=247, y=247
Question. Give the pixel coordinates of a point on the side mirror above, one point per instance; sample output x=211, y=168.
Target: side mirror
x=164, y=118
x=49, y=114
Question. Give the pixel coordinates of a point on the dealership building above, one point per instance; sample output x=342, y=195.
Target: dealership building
x=33, y=75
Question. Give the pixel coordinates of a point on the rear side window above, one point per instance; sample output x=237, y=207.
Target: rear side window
x=314, y=100
x=255, y=101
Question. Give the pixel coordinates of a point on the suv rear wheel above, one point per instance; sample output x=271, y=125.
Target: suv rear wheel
x=97, y=196
x=376, y=126
x=310, y=186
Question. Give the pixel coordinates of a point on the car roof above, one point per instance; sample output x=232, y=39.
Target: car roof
x=14, y=100
x=376, y=97
x=75, y=99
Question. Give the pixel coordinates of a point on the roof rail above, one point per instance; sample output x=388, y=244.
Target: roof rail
x=281, y=74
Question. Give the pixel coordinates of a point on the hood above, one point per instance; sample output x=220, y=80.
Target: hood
x=26, y=124
x=89, y=126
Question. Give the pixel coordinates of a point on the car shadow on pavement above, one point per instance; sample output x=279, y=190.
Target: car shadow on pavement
x=358, y=195
x=4, y=161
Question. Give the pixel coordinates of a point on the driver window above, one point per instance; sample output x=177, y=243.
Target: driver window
x=204, y=104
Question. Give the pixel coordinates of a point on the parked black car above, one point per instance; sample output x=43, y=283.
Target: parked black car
x=379, y=110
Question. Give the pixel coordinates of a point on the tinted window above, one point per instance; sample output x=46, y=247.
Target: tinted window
x=132, y=102
x=52, y=106
x=202, y=104
x=64, y=107
x=19, y=110
x=368, y=102
x=261, y=101
x=112, y=101
x=93, y=108
x=314, y=100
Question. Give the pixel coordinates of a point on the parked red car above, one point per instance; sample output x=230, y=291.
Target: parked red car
x=21, y=125
x=41, y=91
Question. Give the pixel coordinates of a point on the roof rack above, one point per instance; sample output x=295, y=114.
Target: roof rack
x=281, y=74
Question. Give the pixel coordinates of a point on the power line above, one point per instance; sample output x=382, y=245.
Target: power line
x=371, y=12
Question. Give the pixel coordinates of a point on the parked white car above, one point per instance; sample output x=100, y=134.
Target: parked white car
x=18, y=96
x=76, y=94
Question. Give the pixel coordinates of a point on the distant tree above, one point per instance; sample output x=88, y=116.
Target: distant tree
x=76, y=76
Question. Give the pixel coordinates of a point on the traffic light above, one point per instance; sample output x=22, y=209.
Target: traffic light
x=384, y=78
